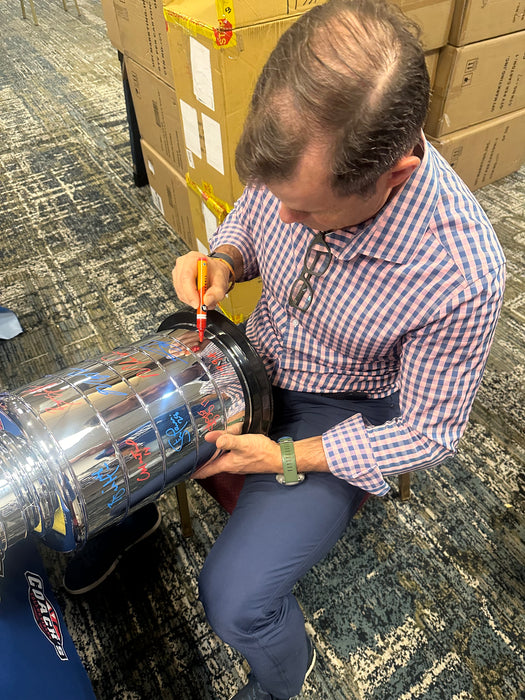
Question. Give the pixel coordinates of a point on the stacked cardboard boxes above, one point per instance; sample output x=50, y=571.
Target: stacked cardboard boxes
x=139, y=28
x=217, y=51
x=476, y=118
x=142, y=31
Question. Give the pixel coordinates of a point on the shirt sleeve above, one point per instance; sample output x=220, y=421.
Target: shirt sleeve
x=236, y=230
x=442, y=364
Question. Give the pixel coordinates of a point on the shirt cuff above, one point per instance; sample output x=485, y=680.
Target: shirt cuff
x=350, y=456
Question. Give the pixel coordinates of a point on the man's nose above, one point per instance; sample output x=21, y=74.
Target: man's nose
x=291, y=216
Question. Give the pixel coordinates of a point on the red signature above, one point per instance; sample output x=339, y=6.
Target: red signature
x=125, y=361
x=217, y=362
x=139, y=453
x=52, y=395
x=208, y=416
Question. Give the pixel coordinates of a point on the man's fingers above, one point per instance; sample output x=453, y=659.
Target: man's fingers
x=184, y=276
x=185, y=279
x=220, y=438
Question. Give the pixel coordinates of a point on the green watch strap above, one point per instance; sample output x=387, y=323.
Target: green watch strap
x=289, y=477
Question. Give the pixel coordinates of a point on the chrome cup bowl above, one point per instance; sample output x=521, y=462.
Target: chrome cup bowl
x=83, y=448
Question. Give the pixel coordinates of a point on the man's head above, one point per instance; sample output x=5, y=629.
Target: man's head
x=347, y=82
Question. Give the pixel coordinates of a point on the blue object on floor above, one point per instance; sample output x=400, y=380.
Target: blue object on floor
x=9, y=324
x=39, y=659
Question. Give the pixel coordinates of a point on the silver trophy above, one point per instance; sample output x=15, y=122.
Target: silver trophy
x=83, y=448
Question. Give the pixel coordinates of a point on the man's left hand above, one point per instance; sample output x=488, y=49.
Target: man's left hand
x=242, y=454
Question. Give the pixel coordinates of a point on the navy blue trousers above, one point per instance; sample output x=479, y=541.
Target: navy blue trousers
x=274, y=536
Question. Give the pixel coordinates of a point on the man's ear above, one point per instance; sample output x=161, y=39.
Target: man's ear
x=402, y=170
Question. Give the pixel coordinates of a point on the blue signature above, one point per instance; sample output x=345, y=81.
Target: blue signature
x=108, y=479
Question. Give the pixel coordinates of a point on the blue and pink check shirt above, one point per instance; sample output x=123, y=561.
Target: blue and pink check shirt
x=409, y=303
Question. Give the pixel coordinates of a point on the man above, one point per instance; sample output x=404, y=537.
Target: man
x=382, y=284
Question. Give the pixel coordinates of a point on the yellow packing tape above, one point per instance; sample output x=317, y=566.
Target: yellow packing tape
x=217, y=206
x=225, y=11
x=222, y=35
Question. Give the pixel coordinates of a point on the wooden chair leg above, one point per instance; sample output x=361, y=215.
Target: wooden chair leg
x=184, y=509
x=404, y=486
x=76, y=5
x=33, y=11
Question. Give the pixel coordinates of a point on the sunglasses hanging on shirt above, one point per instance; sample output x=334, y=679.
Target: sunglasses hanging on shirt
x=316, y=262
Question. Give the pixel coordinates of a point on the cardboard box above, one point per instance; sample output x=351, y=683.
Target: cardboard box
x=476, y=20
x=431, y=59
x=214, y=87
x=239, y=13
x=143, y=35
x=242, y=300
x=433, y=16
x=110, y=18
x=486, y=152
x=216, y=63
x=169, y=193
x=477, y=82
x=157, y=113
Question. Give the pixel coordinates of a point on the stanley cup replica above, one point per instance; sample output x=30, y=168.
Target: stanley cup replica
x=83, y=448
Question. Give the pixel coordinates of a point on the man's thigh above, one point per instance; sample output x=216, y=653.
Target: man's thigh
x=275, y=535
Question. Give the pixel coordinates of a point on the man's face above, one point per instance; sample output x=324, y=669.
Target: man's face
x=307, y=197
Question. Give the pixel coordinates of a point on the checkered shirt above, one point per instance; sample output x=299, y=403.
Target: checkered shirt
x=409, y=303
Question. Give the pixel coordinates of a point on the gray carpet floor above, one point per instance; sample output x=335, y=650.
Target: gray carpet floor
x=420, y=599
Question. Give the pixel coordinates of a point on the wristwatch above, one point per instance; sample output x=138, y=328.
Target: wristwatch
x=289, y=477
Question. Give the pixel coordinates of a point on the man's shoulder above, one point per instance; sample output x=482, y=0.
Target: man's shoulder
x=462, y=226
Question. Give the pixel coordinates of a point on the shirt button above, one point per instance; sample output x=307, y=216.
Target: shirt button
x=295, y=323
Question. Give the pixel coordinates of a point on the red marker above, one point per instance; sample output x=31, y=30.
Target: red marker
x=202, y=286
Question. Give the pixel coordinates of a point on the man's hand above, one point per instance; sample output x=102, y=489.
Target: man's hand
x=258, y=454
x=243, y=454
x=184, y=277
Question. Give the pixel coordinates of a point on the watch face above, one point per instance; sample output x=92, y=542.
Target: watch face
x=280, y=479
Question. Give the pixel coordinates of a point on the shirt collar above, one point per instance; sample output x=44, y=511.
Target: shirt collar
x=395, y=233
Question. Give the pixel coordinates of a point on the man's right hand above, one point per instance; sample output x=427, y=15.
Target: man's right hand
x=184, y=277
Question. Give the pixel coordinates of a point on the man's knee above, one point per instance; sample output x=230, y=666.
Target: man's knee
x=217, y=593
x=229, y=602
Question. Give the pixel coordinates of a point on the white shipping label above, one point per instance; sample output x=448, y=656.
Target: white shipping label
x=213, y=143
x=201, y=247
x=157, y=200
x=210, y=221
x=190, y=125
x=201, y=73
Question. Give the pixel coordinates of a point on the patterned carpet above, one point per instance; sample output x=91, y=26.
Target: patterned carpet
x=423, y=599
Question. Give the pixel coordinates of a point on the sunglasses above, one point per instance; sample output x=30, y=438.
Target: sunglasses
x=316, y=261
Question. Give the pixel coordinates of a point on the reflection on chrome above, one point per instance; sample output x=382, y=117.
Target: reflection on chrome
x=82, y=448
